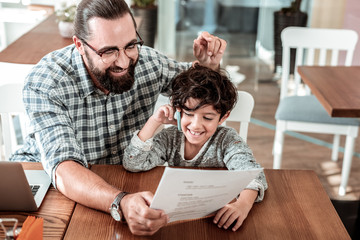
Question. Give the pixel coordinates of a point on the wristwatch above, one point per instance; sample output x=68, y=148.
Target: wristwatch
x=115, y=209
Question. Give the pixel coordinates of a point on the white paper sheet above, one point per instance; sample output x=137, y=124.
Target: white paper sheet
x=192, y=193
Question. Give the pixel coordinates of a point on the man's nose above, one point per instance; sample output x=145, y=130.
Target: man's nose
x=122, y=60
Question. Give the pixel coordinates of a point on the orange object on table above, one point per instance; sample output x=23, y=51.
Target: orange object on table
x=32, y=229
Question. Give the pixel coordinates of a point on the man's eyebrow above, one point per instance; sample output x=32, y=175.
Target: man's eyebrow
x=107, y=48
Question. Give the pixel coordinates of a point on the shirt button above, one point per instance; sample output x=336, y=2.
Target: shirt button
x=114, y=152
x=112, y=127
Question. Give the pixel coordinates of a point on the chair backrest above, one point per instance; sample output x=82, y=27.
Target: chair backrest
x=12, y=118
x=11, y=105
x=242, y=113
x=162, y=100
x=314, y=46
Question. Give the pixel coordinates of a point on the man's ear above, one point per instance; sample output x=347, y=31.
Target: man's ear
x=224, y=117
x=79, y=45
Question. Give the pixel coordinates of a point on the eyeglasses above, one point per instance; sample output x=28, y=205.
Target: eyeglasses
x=110, y=55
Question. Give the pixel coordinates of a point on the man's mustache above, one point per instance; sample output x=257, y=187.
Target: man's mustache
x=116, y=68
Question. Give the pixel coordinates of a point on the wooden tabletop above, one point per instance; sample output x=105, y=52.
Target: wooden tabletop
x=296, y=206
x=337, y=88
x=36, y=43
x=56, y=210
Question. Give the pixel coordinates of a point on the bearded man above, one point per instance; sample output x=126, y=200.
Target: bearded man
x=85, y=101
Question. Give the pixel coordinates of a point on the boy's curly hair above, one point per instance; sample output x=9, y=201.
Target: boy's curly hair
x=204, y=84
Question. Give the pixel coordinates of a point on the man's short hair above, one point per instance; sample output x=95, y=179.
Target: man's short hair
x=107, y=9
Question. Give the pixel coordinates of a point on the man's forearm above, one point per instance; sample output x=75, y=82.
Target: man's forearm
x=83, y=186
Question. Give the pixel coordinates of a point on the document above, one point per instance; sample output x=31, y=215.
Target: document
x=195, y=193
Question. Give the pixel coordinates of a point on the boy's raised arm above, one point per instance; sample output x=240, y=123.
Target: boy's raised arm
x=164, y=115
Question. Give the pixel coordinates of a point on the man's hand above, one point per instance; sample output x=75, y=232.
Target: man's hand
x=209, y=50
x=141, y=219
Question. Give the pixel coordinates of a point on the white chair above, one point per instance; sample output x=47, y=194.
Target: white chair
x=241, y=113
x=11, y=104
x=162, y=100
x=298, y=110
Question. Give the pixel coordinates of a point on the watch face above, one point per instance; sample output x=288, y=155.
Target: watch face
x=115, y=214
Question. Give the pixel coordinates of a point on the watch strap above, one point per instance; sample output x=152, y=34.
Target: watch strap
x=116, y=204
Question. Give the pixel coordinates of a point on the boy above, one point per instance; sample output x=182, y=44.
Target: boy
x=204, y=98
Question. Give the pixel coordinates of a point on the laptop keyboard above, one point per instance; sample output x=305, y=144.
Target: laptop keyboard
x=34, y=189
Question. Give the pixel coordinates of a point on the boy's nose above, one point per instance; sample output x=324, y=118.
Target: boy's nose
x=196, y=122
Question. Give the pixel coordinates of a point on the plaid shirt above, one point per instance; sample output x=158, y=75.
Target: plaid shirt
x=71, y=119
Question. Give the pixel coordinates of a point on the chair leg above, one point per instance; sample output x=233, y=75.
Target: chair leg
x=278, y=145
x=335, y=148
x=349, y=151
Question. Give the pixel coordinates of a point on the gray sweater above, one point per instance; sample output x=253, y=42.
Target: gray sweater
x=224, y=149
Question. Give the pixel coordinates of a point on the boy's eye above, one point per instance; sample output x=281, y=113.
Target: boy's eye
x=207, y=118
x=188, y=114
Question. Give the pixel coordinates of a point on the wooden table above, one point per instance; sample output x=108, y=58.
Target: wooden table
x=295, y=207
x=56, y=210
x=36, y=43
x=337, y=88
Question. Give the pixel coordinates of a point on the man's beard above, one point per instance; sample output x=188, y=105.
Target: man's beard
x=114, y=84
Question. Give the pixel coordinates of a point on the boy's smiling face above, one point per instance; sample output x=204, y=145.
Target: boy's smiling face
x=199, y=125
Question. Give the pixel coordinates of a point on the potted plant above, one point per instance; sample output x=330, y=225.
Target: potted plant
x=289, y=16
x=146, y=10
x=65, y=16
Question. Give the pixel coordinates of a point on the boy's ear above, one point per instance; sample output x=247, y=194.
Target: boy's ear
x=224, y=117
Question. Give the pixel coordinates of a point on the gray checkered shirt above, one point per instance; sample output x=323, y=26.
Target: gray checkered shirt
x=71, y=119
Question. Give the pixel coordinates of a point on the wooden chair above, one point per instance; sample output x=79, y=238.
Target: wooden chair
x=298, y=110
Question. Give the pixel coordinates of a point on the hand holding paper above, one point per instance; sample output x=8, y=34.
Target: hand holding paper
x=188, y=193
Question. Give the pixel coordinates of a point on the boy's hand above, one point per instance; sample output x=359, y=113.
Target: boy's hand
x=229, y=214
x=236, y=211
x=165, y=115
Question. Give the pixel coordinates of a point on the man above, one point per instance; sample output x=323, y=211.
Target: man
x=85, y=101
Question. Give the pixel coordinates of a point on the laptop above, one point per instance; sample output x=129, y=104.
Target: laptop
x=21, y=190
